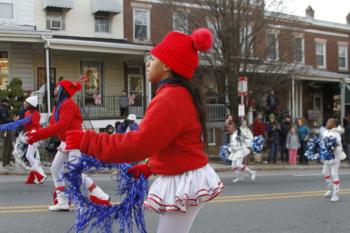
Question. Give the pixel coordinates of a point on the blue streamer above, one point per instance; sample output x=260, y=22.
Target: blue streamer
x=312, y=151
x=14, y=125
x=225, y=153
x=327, y=148
x=258, y=144
x=96, y=218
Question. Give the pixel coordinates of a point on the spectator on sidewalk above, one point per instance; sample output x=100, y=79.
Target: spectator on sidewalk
x=259, y=128
x=273, y=137
x=303, y=133
x=109, y=129
x=129, y=124
x=285, y=127
x=5, y=117
x=292, y=145
x=347, y=138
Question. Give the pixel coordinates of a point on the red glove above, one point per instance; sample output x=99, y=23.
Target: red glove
x=32, y=137
x=73, y=139
x=140, y=169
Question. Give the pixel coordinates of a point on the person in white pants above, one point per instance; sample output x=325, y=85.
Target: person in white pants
x=66, y=116
x=37, y=174
x=331, y=167
x=239, y=143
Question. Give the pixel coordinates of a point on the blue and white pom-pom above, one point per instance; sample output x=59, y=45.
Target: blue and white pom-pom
x=312, y=151
x=225, y=153
x=14, y=125
x=258, y=144
x=97, y=218
x=327, y=148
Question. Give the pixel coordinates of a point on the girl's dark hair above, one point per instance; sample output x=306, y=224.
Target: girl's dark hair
x=61, y=97
x=197, y=98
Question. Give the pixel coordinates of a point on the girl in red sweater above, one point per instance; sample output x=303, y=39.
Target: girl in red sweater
x=172, y=135
x=66, y=116
x=37, y=174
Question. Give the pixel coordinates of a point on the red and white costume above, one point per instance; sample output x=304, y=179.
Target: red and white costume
x=331, y=167
x=37, y=174
x=170, y=136
x=70, y=118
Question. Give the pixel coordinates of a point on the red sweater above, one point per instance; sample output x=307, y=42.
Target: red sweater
x=69, y=119
x=169, y=134
x=34, y=124
x=259, y=128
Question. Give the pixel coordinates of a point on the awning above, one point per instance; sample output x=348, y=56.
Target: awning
x=108, y=6
x=68, y=4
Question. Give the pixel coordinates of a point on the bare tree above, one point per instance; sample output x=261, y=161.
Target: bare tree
x=246, y=41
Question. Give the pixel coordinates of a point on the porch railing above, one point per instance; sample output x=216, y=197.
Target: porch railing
x=110, y=109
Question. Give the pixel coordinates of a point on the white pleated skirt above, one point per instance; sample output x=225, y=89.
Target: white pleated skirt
x=176, y=193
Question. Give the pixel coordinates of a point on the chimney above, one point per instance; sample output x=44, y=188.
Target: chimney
x=310, y=12
x=348, y=19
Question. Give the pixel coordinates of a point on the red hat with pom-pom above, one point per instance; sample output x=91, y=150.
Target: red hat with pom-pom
x=70, y=87
x=180, y=51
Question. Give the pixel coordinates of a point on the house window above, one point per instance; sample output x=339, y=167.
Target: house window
x=321, y=54
x=55, y=20
x=102, y=23
x=4, y=69
x=343, y=57
x=272, y=46
x=246, y=42
x=180, y=22
x=6, y=10
x=211, y=137
x=299, y=50
x=92, y=88
x=141, y=25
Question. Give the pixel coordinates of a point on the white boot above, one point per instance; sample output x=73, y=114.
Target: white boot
x=97, y=196
x=62, y=202
x=238, y=178
x=251, y=173
x=329, y=184
x=335, y=196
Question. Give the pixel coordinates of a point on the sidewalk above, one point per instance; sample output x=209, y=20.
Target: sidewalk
x=218, y=166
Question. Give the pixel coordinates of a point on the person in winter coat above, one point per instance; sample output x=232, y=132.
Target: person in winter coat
x=172, y=135
x=292, y=145
x=66, y=116
x=304, y=133
x=285, y=128
x=128, y=124
x=240, y=142
x=331, y=167
x=5, y=118
x=258, y=127
x=37, y=174
x=273, y=137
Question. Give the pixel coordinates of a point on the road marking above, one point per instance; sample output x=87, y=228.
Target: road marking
x=220, y=199
x=319, y=174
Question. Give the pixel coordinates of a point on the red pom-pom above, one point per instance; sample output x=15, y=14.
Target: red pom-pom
x=203, y=39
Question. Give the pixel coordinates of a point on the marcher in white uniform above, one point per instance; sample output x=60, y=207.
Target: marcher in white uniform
x=331, y=167
x=239, y=143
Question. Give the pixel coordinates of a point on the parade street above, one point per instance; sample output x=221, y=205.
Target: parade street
x=277, y=202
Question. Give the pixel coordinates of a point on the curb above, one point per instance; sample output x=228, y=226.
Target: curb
x=218, y=167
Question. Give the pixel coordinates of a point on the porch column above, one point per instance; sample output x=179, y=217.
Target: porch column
x=342, y=101
x=47, y=67
x=293, y=98
x=148, y=84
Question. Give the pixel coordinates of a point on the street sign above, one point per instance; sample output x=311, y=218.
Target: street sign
x=242, y=86
x=241, y=110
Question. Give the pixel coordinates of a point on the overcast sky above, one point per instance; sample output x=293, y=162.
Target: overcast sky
x=329, y=10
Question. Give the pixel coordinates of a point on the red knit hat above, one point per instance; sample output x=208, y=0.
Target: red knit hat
x=179, y=51
x=70, y=87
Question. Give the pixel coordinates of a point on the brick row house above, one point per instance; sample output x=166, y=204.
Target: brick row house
x=112, y=38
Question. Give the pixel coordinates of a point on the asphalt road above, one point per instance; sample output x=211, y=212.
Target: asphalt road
x=277, y=202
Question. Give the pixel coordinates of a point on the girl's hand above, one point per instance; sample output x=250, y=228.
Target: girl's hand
x=140, y=169
x=32, y=137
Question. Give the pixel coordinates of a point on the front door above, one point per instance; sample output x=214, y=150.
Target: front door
x=135, y=93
